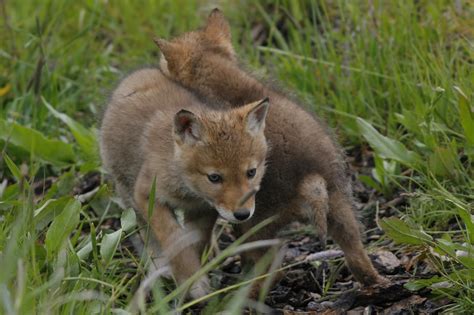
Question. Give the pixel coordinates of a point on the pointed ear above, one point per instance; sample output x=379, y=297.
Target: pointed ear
x=217, y=26
x=187, y=128
x=172, y=55
x=255, y=118
x=167, y=48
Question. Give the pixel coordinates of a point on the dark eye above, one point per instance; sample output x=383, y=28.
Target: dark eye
x=214, y=178
x=251, y=172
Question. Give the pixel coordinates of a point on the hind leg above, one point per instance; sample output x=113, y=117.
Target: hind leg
x=177, y=243
x=315, y=204
x=344, y=229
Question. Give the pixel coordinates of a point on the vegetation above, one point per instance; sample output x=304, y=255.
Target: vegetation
x=393, y=76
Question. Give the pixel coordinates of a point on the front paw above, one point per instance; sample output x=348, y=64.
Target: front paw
x=377, y=282
x=200, y=288
x=382, y=281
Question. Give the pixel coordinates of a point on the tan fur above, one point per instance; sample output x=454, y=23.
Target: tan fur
x=306, y=176
x=153, y=128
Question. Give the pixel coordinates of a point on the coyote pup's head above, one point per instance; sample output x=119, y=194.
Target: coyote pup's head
x=190, y=56
x=221, y=156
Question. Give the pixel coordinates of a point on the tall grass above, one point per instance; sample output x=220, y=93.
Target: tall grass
x=395, y=75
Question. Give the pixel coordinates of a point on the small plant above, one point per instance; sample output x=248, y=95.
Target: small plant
x=383, y=176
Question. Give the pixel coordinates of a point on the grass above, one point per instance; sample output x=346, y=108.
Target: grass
x=396, y=75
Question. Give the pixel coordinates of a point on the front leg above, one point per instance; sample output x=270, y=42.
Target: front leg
x=201, y=221
x=178, y=244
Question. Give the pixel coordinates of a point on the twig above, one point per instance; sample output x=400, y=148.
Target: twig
x=324, y=255
x=83, y=198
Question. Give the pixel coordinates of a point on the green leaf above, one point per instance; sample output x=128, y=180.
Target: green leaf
x=85, y=251
x=95, y=251
x=62, y=227
x=109, y=245
x=128, y=220
x=86, y=138
x=409, y=120
x=468, y=220
x=442, y=161
x=12, y=167
x=370, y=182
x=386, y=147
x=417, y=285
x=466, y=116
x=52, y=151
x=468, y=261
x=445, y=247
x=62, y=186
x=47, y=212
x=10, y=194
x=402, y=233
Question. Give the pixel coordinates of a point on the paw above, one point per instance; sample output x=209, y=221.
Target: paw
x=200, y=288
x=382, y=281
x=376, y=282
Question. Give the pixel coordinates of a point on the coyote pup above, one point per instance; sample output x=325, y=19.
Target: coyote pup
x=205, y=162
x=306, y=177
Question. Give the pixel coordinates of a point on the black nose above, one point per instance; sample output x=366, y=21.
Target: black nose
x=242, y=214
